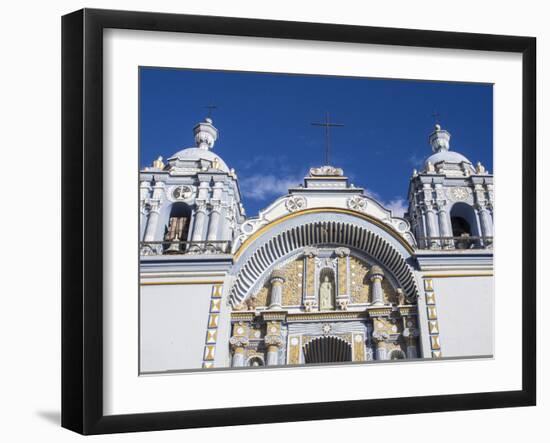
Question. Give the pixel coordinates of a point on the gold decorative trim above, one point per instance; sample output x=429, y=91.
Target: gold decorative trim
x=430, y=298
x=433, y=325
x=270, y=315
x=480, y=274
x=280, y=220
x=379, y=312
x=242, y=316
x=212, y=331
x=194, y=282
x=326, y=316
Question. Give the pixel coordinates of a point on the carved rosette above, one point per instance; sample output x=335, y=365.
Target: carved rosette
x=295, y=203
x=357, y=203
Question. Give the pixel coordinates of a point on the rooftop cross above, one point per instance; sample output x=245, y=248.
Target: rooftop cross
x=327, y=124
x=210, y=109
x=436, y=116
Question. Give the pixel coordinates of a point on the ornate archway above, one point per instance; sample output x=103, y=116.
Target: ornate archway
x=280, y=244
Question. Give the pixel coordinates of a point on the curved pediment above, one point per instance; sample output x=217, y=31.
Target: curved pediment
x=300, y=203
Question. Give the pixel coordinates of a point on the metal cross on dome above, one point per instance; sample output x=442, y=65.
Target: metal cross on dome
x=210, y=109
x=327, y=125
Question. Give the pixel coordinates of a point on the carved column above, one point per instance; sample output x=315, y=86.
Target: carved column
x=410, y=335
x=380, y=339
x=444, y=225
x=238, y=344
x=485, y=221
x=273, y=342
x=152, y=222
x=430, y=224
x=376, y=277
x=144, y=193
x=201, y=212
x=342, y=295
x=215, y=214
x=310, y=297
x=277, y=279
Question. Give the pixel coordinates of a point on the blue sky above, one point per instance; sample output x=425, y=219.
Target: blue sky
x=265, y=132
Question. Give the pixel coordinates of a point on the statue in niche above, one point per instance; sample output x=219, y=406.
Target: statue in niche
x=326, y=294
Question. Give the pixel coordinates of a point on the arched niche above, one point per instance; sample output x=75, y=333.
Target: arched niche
x=327, y=290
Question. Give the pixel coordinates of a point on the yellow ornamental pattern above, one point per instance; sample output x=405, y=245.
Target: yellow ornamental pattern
x=359, y=283
x=292, y=288
x=389, y=293
x=342, y=275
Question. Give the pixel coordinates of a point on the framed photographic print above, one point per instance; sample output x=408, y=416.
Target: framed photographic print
x=270, y=221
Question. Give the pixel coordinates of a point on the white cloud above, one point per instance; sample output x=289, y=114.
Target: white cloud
x=259, y=187
x=398, y=206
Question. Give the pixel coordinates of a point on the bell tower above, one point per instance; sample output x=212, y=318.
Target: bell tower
x=191, y=204
x=450, y=199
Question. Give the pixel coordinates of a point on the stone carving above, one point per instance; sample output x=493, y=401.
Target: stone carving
x=342, y=252
x=158, y=163
x=273, y=340
x=326, y=292
x=380, y=336
x=182, y=192
x=310, y=251
x=295, y=203
x=324, y=171
x=343, y=304
x=251, y=303
x=458, y=193
x=357, y=203
x=238, y=342
x=309, y=305
x=430, y=169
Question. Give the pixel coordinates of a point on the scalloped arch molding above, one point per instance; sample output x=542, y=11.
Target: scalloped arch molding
x=275, y=245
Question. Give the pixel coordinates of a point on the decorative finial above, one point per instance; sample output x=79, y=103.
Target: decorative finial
x=158, y=163
x=205, y=134
x=480, y=169
x=439, y=139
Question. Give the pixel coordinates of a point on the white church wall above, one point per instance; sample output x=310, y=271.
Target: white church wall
x=465, y=310
x=173, y=323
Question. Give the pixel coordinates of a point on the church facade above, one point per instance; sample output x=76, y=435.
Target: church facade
x=324, y=274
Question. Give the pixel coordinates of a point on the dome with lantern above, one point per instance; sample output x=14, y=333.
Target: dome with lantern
x=443, y=160
x=199, y=157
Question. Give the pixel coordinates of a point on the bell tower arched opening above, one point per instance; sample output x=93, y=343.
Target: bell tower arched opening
x=464, y=225
x=177, y=229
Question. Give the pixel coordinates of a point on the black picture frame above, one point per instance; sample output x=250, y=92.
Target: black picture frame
x=82, y=218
